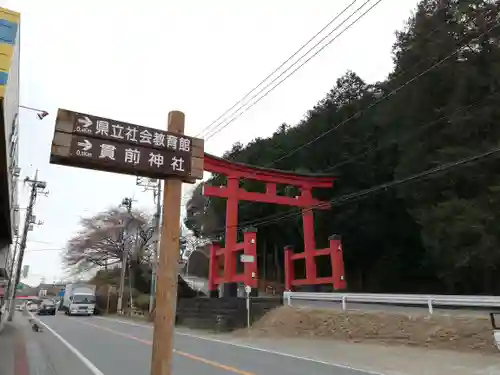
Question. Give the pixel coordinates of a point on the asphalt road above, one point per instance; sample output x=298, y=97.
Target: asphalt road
x=115, y=348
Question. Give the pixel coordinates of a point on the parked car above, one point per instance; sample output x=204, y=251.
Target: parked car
x=47, y=307
x=31, y=306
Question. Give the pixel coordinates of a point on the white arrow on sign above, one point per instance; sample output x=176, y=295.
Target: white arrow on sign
x=85, y=145
x=85, y=122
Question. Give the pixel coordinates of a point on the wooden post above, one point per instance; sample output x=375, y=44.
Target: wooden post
x=166, y=287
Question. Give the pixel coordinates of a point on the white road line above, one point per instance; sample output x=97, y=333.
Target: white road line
x=274, y=352
x=80, y=356
x=124, y=322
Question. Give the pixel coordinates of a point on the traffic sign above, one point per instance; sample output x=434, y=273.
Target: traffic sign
x=247, y=258
x=92, y=142
x=61, y=292
x=26, y=268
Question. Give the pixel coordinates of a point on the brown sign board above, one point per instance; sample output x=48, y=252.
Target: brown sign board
x=92, y=142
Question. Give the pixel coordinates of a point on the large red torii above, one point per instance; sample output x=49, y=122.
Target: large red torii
x=232, y=192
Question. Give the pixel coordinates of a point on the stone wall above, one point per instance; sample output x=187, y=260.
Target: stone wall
x=221, y=314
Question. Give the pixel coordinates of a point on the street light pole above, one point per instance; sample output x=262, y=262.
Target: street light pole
x=40, y=112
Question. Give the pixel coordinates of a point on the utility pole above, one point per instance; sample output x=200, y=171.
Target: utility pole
x=127, y=203
x=36, y=186
x=11, y=268
x=154, y=185
x=156, y=252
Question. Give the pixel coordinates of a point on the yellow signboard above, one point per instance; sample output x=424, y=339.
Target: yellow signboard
x=9, y=34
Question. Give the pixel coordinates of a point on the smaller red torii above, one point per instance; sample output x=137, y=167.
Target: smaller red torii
x=233, y=194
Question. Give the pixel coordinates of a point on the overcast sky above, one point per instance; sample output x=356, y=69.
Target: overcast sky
x=134, y=63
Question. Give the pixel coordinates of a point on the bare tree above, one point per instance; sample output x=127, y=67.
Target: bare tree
x=104, y=238
x=200, y=218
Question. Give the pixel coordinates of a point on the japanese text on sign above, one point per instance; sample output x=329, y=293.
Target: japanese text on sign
x=119, y=131
x=134, y=157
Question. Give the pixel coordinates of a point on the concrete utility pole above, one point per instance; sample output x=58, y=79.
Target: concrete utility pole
x=11, y=268
x=154, y=264
x=36, y=186
x=156, y=187
x=127, y=203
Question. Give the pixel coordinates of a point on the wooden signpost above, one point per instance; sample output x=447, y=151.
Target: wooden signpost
x=92, y=142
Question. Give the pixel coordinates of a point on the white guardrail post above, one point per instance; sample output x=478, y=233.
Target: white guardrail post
x=429, y=304
x=431, y=301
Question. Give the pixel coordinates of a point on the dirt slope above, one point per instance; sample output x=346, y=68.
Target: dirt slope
x=462, y=333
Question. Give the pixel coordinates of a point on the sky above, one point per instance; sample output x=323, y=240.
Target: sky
x=135, y=64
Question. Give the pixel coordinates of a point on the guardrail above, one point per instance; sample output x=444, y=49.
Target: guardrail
x=430, y=301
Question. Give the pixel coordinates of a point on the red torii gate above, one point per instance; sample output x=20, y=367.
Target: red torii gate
x=233, y=194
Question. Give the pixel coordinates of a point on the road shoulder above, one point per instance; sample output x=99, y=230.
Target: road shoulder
x=388, y=360
x=13, y=357
x=47, y=354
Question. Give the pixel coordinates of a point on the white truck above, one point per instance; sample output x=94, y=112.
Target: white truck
x=79, y=299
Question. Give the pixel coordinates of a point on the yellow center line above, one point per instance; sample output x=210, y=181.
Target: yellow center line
x=178, y=352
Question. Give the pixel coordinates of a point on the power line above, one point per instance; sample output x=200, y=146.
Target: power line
x=420, y=128
x=391, y=93
x=223, y=125
x=440, y=27
x=43, y=250
x=41, y=242
x=278, y=68
x=412, y=178
x=428, y=35
x=274, y=217
x=411, y=134
x=375, y=189
x=301, y=65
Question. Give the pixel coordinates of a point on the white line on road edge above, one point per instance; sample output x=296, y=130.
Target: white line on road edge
x=269, y=351
x=80, y=356
x=244, y=346
x=124, y=322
